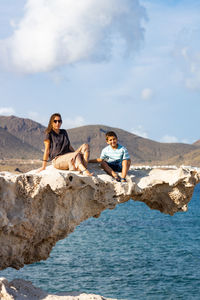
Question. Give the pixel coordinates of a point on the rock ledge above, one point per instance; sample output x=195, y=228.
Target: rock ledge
x=38, y=209
x=19, y=289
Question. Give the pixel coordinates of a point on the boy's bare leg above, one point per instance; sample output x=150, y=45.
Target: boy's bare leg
x=108, y=169
x=125, y=167
x=85, y=151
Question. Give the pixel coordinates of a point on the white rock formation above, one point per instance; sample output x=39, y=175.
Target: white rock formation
x=38, y=209
x=19, y=289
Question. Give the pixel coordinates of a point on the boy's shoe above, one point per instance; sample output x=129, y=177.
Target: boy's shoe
x=123, y=180
x=117, y=178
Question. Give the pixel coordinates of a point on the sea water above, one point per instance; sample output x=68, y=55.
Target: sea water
x=130, y=252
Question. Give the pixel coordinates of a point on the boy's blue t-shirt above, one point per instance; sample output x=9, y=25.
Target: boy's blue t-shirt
x=114, y=155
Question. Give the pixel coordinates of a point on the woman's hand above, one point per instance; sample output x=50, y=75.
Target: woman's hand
x=41, y=169
x=71, y=148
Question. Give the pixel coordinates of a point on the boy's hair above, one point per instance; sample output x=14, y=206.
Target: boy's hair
x=110, y=133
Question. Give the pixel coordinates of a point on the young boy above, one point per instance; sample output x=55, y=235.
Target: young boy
x=114, y=158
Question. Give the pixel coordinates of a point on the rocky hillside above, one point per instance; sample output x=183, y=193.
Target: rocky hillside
x=12, y=147
x=197, y=143
x=24, y=138
x=141, y=150
x=191, y=158
x=26, y=130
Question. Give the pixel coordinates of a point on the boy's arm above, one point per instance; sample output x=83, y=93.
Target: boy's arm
x=95, y=160
x=99, y=159
x=126, y=155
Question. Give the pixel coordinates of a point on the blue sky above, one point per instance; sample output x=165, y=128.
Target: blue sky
x=124, y=63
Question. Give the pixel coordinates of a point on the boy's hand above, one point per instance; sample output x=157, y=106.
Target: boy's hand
x=95, y=160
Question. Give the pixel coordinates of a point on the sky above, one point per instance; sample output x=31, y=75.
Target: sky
x=130, y=64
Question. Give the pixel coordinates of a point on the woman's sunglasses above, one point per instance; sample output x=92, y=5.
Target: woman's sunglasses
x=57, y=121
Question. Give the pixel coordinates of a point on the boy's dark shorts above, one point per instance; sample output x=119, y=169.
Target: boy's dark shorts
x=115, y=166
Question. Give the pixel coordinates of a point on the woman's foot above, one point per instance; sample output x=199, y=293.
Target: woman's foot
x=87, y=172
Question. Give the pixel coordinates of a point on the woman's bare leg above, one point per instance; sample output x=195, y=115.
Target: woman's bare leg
x=85, y=151
x=80, y=166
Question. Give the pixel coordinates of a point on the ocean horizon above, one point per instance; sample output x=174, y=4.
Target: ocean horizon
x=131, y=252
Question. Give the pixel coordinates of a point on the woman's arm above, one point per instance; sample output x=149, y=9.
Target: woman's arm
x=71, y=148
x=46, y=155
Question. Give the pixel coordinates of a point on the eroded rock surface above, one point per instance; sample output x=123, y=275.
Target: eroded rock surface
x=19, y=289
x=38, y=209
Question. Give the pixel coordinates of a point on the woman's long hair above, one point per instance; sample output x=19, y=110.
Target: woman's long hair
x=50, y=125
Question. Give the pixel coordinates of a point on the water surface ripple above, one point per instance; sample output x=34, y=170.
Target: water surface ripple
x=130, y=253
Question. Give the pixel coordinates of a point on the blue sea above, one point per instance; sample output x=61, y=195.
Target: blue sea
x=130, y=252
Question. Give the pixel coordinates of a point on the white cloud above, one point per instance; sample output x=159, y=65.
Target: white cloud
x=146, y=94
x=140, y=131
x=57, y=32
x=169, y=139
x=7, y=111
x=71, y=123
x=187, y=55
x=173, y=139
x=35, y=116
x=185, y=141
x=192, y=64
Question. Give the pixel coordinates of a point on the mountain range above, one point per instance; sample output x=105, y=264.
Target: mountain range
x=23, y=138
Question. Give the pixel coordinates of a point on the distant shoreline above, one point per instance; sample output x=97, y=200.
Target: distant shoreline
x=20, y=165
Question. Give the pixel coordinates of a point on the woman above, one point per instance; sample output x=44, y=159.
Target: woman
x=60, y=152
